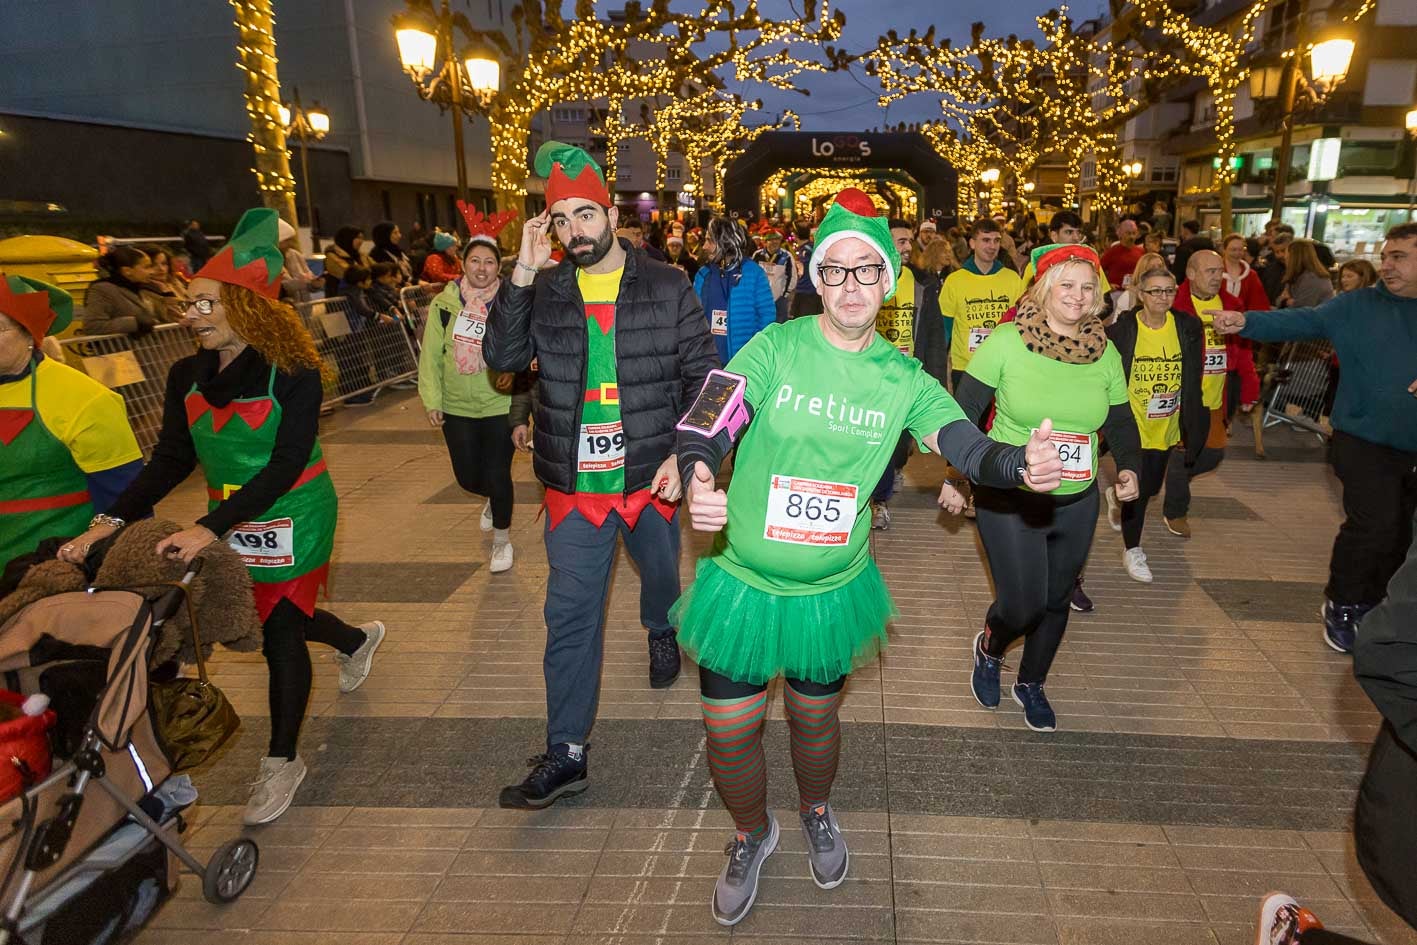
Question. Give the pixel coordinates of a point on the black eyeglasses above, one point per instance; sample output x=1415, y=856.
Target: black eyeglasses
x=1159, y=293
x=864, y=275
x=203, y=306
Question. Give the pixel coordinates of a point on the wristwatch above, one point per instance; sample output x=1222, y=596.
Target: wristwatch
x=1022, y=473
x=112, y=521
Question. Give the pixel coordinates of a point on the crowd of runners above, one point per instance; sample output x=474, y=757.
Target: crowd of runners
x=636, y=388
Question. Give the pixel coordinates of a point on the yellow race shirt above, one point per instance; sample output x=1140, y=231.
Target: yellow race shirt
x=81, y=413
x=1213, y=378
x=1154, y=385
x=976, y=303
x=896, y=320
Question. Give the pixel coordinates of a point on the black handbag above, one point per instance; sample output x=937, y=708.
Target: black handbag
x=191, y=717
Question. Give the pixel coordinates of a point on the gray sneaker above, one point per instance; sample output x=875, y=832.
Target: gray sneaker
x=826, y=847
x=354, y=668
x=273, y=790
x=737, y=885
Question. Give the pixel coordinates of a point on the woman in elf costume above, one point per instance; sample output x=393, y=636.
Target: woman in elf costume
x=246, y=407
x=66, y=449
x=480, y=417
x=790, y=588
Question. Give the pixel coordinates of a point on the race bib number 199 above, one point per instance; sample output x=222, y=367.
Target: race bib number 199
x=810, y=512
x=265, y=544
x=602, y=447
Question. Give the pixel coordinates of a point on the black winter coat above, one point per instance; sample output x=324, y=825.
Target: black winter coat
x=663, y=352
x=1385, y=822
x=1195, y=416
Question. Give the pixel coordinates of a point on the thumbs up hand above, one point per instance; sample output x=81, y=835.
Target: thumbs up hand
x=708, y=506
x=1043, y=469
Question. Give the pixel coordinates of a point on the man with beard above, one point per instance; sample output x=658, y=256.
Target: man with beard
x=623, y=348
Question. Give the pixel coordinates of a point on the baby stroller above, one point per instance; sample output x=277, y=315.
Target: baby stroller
x=62, y=835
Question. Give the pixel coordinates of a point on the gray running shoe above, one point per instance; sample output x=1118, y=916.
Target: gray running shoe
x=273, y=790
x=826, y=847
x=354, y=668
x=737, y=885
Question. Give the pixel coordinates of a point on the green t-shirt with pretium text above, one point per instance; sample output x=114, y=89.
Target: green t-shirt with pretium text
x=600, y=450
x=825, y=422
x=1030, y=387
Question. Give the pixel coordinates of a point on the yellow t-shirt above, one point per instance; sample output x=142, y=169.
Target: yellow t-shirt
x=81, y=413
x=976, y=303
x=896, y=320
x=1154, y=385
x=1103, y=285
x=599, y=287
x=1213, y=377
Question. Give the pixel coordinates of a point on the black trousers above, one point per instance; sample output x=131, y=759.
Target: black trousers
x=287, y=631
x=481, y=450
x=1379, y=499
x=1037, y=546
x=1151, y=477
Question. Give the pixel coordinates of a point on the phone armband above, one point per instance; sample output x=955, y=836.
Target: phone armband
x=720, y=407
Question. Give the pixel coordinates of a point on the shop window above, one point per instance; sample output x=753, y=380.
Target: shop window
x=1359, y=231
x=1369, y=159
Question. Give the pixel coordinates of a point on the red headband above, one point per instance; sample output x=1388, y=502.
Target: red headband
x=1066, y=254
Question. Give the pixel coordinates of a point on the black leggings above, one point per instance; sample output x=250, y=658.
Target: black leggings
x=717, y=686
x=1037, y=546
x=1150, y=479
x=481, y=450
x=287, y=630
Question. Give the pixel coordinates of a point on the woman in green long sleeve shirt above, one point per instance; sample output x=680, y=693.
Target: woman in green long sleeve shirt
x=469, y=401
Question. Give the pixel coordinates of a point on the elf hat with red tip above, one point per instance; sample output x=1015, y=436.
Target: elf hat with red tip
x=251, y=258
x=854, y=215
x=37, y=307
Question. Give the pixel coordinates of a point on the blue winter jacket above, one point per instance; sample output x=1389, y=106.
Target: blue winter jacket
x=748, y=295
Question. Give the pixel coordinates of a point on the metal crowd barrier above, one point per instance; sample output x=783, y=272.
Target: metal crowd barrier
x=1302, y=395
x=365, y=357
x=415, y=300
x=136, y=367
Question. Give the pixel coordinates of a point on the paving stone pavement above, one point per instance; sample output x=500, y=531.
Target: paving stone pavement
x=1208, y=751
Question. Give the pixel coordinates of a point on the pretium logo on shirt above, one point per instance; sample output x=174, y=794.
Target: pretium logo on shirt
x=842, y=415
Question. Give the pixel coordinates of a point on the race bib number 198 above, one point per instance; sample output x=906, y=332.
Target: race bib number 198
x=810, y=512
x=265, y=544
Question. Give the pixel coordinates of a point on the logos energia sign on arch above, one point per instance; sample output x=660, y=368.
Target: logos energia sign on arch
x=905, y=155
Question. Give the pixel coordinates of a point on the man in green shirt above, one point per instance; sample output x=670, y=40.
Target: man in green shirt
x=790, y=588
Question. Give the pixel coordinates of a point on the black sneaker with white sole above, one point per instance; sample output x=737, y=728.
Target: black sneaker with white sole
x=554, y=775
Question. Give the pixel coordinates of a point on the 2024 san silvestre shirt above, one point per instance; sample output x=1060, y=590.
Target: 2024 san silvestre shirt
x=825, y=424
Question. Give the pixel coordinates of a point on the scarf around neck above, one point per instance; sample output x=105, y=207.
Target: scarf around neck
x=467, y=348
x=1033, y=328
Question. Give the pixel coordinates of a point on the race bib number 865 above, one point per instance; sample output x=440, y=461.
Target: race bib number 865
x=809, y=511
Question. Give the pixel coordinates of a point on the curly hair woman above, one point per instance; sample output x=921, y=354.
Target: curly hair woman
x=246, y=407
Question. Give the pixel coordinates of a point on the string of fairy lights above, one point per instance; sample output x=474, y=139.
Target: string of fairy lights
x=255, y=57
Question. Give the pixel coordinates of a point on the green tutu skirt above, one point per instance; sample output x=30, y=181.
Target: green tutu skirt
x=752, y=636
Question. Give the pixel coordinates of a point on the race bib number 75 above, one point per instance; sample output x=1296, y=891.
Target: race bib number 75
x=809, y=511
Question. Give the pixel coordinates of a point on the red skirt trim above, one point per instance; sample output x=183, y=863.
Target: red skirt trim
x=302, y=591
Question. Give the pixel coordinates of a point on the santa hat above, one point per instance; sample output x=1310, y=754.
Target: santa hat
x=928, y=225
x=854, y=215
x=38, y=307
x=251, y=258
x=1045, y=257
x=484, y=229
x=570, y=172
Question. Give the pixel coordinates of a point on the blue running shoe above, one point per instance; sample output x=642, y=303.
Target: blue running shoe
x=1037, y=713
x=985, y=680
x=1341, y=624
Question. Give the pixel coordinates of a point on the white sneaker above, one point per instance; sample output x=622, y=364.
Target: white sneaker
x=501, y=557
x=1137, y=569
x=485, y=522
x=354, y=668
x=1114, y=509
x=273, y=790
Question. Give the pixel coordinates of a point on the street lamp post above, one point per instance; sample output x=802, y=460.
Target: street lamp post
x=1328, y=63
x=457, y=82
x=1412, y=183
x=306, y=125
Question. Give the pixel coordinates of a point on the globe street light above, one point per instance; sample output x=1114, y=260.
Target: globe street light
x=458, y=82
x=1412, y=184
x=313, y=123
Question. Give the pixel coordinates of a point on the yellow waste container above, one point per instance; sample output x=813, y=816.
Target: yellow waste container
x=58, y=261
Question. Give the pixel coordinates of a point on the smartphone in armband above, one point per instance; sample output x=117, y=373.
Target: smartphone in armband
x=719, y=407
